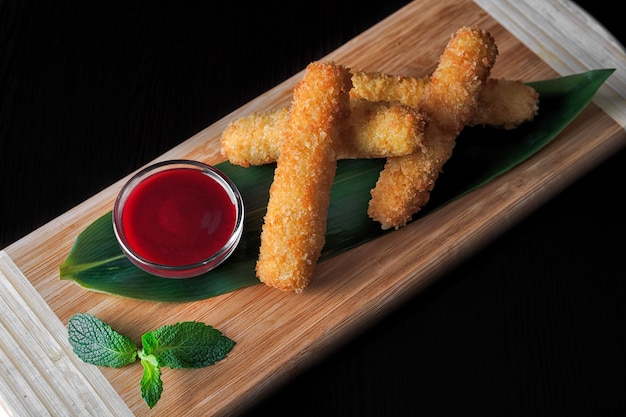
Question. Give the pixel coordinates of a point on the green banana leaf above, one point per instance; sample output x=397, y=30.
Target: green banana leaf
x=97, y=263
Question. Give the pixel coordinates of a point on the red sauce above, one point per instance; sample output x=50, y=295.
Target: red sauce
x=178, y=217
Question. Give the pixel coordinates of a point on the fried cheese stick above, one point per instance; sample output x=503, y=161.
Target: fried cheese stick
x=505, y=104
x=501, y=103
x=294, y=227
x=373, y=130
x=379, y=126
x=379, y=86
x=450, y=98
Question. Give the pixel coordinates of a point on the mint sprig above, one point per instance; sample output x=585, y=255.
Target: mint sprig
x=95, y=342
x=188, y=344
x=177, y=345
x=151, y=384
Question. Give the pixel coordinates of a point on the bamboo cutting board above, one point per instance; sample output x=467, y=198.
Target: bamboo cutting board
x=278, y=334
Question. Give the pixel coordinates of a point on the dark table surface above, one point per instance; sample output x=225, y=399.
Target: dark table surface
x=533, y=324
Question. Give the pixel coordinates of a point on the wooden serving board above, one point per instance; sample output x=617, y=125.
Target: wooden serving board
x=278, y=333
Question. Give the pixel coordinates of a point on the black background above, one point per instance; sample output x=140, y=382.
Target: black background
x=533, y=324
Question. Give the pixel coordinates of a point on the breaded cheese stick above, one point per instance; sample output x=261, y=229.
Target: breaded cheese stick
x=294, y=227
x=378, y=128
x=373, y=130
x=450, y=99
x=505, y=104
x=502, y=103
x=379, y=86
x=256, y=138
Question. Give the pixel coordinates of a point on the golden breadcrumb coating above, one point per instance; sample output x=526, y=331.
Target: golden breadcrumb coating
x=378, y=126
x=450, y=99
x=501, y=103
x=373, y=130
x=255, y=139
x=380, y=129
x=451, y=96
x=505, y=104
x=374, y=86
x=294, y=227
x=404, y=185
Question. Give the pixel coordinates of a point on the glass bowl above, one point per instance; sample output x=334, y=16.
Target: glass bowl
x=178, y=218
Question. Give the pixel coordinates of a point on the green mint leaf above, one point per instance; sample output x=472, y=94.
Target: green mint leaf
x=187, y=345
x=95, y=342
x=182, y=345
x=151, y=383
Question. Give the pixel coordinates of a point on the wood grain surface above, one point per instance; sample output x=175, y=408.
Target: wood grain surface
x=279, y=334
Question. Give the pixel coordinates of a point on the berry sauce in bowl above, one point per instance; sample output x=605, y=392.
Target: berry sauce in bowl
x=178, y=218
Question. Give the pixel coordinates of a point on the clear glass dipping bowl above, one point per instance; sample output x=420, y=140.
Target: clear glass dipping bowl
x=212, y=258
